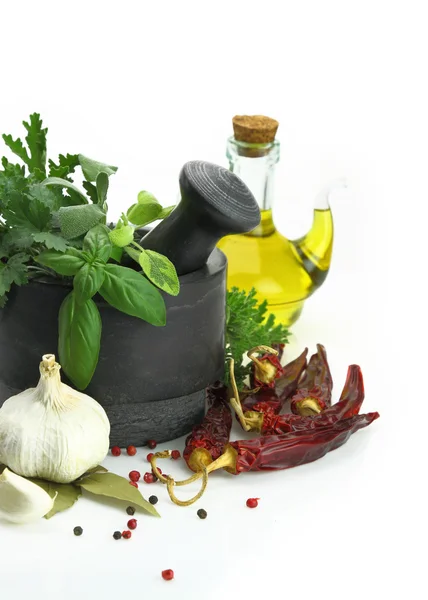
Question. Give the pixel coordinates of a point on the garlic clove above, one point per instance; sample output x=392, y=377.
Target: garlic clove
x=22, y=501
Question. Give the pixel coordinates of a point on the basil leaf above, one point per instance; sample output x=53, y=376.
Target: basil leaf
x=79, y=340
x=67, y=263
x=114, y=486
x=132, y=294
x=67, y=494
x=160, y=270
x=143, y=214
x=64, y=183
x=77, y=220
x=102, y=187
x=97, y=243
x=92, y=168
x=87, y=282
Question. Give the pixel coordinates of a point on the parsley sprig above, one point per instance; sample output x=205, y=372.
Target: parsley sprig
x=248, y=325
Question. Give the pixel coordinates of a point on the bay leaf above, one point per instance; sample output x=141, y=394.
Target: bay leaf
x=68, y=494
x=114, y=486
x=97, y=469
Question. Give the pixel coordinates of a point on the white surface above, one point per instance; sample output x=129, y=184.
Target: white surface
x=148, y=86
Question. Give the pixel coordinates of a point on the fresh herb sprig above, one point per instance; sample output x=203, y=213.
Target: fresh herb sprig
x=248, y=325
x=50, y=227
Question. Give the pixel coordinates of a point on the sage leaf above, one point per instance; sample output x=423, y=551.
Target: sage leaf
x=74, y=221
x=92, y=168
x=87, y=282
x=143, y=214
x=97, y=243
x=116, y=254
x=79, y=339
x=64, y=183
x=160, y=270
x=67, y=494
x=131, y=293
x=102, y=187
x=114, y=486
x=67, y=263
x=166, y=212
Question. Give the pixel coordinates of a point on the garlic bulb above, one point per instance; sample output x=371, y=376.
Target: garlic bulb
x=22, y=501
x=52, y=431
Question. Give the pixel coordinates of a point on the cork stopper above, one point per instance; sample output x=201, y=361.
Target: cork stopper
x=255, y=129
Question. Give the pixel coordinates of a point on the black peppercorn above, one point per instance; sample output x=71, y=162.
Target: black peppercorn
x=77, y=531
x=202, y=514
x=130, y=510
x=117, y=535
x=153, y=499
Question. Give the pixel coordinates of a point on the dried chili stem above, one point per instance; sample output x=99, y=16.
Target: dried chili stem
x=171, y=483
x=167, y=478
x=251, y=353
x=234, y=400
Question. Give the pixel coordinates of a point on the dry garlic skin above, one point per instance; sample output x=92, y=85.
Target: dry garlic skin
x=52, y=431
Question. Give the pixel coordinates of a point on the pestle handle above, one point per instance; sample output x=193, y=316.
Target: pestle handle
x=214, y=202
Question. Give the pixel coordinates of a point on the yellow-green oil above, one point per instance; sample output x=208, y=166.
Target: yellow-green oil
x=284, y=272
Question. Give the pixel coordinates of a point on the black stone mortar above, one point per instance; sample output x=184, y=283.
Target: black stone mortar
x=150, y=380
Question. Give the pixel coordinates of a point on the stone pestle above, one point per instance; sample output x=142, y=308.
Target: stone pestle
x=214, y=202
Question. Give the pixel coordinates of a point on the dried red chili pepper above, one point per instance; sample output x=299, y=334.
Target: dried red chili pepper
x=288, y=450
x=314, y=390
x=285, y=386
x=280, y=349
x=264, y=420
x=266, y=368
x=274, y=452
x=207, y=440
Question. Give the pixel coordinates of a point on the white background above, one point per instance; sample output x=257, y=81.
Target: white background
x=149, y=85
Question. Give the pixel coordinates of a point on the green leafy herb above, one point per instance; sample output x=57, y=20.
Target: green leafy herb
x=160, y=270
x=51, y=241
x=79, y=339
x=145, y=211
x=77, y=220
x=91, y=190
x=27, y=214
x=97, y=243
x=65, y=167
x=102, y=187
x=67, y=263
x=113, y=486
x=51, y=227
x=35, y=159
x=92, y=168
x=13, y=271
x=65, y=183
x=88, y=281
x=248, y=325
x=131, y=293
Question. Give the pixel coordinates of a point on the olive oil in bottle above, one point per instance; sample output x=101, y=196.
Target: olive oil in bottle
x=284, y=272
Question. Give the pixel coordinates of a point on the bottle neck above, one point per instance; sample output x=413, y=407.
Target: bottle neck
x=255, y=165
